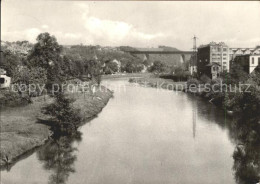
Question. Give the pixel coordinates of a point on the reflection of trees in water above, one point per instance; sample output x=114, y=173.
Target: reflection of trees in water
x=247, y=152
x=244, y=132
x=59, y=156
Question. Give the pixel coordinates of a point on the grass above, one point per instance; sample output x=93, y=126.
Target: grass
x=19, y=130
x=21, y=133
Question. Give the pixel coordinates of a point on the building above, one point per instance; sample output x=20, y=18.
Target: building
x=5, y=81
x=118, y=65
x=212, y=59
x=248, y=62
x=233, y=52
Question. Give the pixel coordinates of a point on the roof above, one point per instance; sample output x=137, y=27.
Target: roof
x=245, y=55
x=213, y=44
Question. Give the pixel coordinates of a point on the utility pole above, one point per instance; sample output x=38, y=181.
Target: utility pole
x=194, y=54
x=194, y=118
x=194, y=108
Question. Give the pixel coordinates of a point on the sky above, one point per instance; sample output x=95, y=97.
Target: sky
x=133, y=23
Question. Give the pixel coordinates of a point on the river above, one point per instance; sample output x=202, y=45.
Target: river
x=143, y=135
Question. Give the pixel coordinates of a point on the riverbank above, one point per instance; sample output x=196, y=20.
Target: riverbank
x=156, y=82
x=126, y=75
x=21, y=133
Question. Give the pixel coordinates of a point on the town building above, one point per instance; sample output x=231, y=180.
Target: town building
x=233, y=52
x=248, y=62
x=5, y=81
x=212, y=59
x=118, y=65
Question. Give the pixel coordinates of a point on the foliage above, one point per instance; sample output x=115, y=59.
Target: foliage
x=158, y=67
x=132, y=67
x=181, y=74
x=9, y=62
x=59, y=157
x=45, y=52
x=205, y=79
x=64, y=115
x=237, y=74
x=34, y=78
x=13, y=99
x=193, y=82
x=111, y=67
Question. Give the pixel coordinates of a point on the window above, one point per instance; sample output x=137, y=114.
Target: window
x=224, y=49
x=224, y=58
x=259, y=61
x=253, y=61
x=2, y=80
x=224, y=63
x=224, y=54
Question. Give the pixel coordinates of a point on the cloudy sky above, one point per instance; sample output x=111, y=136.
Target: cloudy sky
x=139, y=24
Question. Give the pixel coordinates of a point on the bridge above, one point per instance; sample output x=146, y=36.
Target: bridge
x=161, y=51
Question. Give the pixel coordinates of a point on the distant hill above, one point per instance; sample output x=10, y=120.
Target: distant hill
x=167, y=48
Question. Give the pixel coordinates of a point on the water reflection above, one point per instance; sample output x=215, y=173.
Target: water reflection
x=59, y=156
x=247, y=152
x=244, y=132
x=146, y=136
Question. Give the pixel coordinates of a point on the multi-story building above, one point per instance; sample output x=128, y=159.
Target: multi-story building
x=213, y=57
x=248, y=62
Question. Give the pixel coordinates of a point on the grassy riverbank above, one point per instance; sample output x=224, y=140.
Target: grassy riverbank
x=126, y=75
x=159, y=83
x=21, y=133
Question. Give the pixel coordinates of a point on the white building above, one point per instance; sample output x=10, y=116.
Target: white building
x=118, y=65
x=5, y=81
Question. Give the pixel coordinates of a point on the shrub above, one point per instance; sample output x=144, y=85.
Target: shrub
x=205, y=79
x=65, y=117
x=12, y=99
x=192, y=82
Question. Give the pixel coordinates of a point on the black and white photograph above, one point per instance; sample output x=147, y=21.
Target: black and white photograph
x=130, y=92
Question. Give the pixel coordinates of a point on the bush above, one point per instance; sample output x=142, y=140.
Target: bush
x=205, y=79
x=12, y=99
x=65, y=117
x=192, y=82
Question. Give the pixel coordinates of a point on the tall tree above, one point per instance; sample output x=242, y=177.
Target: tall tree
x=46, y=53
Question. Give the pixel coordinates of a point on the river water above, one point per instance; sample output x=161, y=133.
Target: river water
x=143, y=135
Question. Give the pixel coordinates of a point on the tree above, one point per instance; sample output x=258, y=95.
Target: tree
x=9, y=62
x=65, y=117
x=26, y=77
x=46, y=54
x=237, y=74
x=158, y=67
x=111, y=67
x=94, y=69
